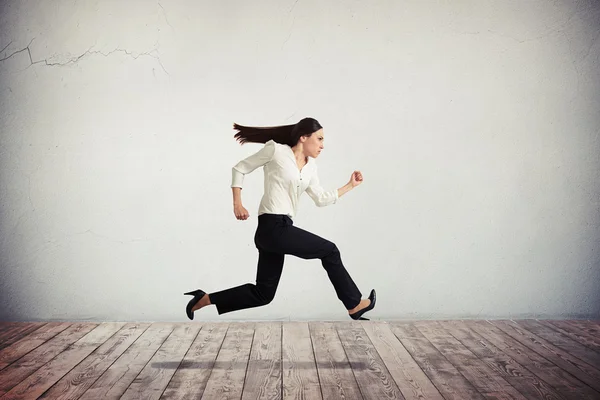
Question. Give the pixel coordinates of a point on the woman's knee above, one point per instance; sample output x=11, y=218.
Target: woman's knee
x=333, y=249
x=266, y=293
x=333, y=254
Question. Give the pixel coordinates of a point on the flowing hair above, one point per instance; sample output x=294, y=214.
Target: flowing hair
x=284, y=134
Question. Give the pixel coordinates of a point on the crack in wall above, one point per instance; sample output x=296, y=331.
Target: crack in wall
x=164, y=12
x=292, y=27
x=5, y=47
x=92, y=52
x=86, y=53
x=18, y=51
x=294, y=6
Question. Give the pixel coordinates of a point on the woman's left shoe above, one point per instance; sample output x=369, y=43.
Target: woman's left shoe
x=198, y=294
x=358, y=315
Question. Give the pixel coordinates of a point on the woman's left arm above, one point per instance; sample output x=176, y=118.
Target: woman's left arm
x=323, y=198
x=355, y=179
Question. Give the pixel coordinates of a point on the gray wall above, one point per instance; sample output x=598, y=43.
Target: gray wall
x=475, y=124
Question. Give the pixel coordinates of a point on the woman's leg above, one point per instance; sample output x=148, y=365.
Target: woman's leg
x=303, y=244
x=270, y=266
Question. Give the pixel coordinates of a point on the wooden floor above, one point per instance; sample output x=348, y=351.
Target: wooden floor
x=524, y=359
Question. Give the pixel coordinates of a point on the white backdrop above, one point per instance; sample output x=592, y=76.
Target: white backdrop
x=476, y=126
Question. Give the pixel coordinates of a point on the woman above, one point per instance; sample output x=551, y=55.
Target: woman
x=289, y=168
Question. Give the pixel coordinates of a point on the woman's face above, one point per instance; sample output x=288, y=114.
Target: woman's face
x=314, y=144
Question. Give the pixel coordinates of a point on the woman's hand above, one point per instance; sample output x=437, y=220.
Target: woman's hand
x=240, y=212
x=356, y=179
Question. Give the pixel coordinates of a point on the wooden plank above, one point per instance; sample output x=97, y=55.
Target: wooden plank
x=481, y=376
x=335, y=373
x=9, y=328
x=6, y=326
x=155, y=376
x=410, y=378
x=300, y=376
x=589, y=327
x=82, y=377
x=12, y=375
x=14, y=331
x=42, y=379
x=229, y=370
x=576, y=332
x=117, y=378
x=513, y=372
x=30, y=342
x=192, y=375
x=562, y=381
x=373, y=378
x=545, y=342
x=562, y=341
x=263, y=377
x=447, y=379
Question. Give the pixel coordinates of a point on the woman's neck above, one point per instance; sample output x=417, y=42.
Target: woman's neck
x=299, y=154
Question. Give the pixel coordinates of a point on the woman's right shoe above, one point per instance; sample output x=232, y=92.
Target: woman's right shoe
x=198, y=294
x=358, y=315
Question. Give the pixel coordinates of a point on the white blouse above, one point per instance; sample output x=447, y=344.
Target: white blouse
x=284, y=181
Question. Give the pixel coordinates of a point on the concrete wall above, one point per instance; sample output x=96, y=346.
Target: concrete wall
x=475, y=123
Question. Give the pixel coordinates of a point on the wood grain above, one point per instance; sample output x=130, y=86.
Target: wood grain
x=500, y=359
x=74, y=384
x=576, y=331
x=300, y=376
x=335, y=373
x=19, y=370
x=117, y=378
x=410, y=378
x=481, y=376
x=229, y=370
x=263, y=378
x=448, y=380
x=502, y=365
x=30, y=342
x=562, y=381
x=545, y=342
x=562, y=341
x=14, y=331
x=370, y=371
x=192, y=375
x=46, y=376
x=156, y=374
x=591, y=327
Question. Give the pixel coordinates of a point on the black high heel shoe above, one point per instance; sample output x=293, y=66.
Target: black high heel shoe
x=198, y=294
x=358, y=315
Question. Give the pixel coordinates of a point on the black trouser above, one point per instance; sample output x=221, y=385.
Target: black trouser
x=275, y=237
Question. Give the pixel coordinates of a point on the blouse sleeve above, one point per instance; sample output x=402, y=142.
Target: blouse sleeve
x=249, y=164
x=318, y=194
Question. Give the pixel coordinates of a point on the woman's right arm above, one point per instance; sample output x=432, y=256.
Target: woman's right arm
x=244, y=167
x=238, y=209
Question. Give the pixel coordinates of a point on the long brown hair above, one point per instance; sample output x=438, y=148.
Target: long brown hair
x=284, y=134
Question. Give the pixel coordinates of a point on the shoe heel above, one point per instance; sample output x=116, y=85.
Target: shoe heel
x=198, y=294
